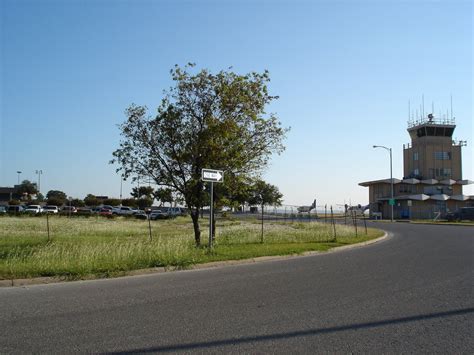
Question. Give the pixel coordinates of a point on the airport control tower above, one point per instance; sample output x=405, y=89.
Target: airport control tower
x=432, y=180
x=432, y=153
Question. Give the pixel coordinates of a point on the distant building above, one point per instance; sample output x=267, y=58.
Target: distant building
x=9, y=193
x=432, y=168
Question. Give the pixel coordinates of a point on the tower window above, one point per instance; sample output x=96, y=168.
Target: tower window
x=443, y=155
x=440, y=173
x=415, y=156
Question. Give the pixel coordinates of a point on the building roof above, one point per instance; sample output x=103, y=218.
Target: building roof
x=424, y=197
x=7, y=190
x=416, y=182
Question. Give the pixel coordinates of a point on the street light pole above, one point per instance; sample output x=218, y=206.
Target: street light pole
x=39, y=172
x=391, y=178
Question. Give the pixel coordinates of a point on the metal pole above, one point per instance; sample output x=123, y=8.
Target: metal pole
x=365, y=224
x=47, y=224
x=334, y=224
x=211, y=210
x=261, y=238
x=39, y=172
x=149, y=227
x=355, y=221
x=391, y=178
x=391, y=182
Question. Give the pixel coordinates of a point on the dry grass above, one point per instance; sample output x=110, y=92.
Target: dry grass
x=101, y=247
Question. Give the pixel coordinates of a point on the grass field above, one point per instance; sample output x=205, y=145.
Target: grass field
x=81, y=248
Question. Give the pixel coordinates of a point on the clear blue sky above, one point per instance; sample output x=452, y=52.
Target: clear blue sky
x=344, y=71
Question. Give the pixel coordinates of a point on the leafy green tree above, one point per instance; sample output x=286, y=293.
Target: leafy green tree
x=112, y=202
x=91, y=201
x=27, y=188
x=235, y=192
x=144, y=202
x=163, y=195
x=204, y=121
x=14, y=202
x=56, y=197
x=262, y=193
x=56, y=201
x=77, y=202
x=142, y=191
x=130, y=202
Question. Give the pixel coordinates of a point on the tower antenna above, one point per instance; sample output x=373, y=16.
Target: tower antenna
x=423, y=105
x=451, y=106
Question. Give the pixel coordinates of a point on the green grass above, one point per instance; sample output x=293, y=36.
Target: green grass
x=101, y=247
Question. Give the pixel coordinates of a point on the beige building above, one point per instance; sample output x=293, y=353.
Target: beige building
x=432, y=168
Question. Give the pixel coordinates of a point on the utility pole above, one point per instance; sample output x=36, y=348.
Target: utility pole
x=392, y=201
x=39, y=172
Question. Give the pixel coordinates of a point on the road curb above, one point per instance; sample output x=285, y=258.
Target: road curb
x=210, y=265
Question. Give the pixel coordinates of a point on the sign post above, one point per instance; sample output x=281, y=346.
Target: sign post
x=212, y=176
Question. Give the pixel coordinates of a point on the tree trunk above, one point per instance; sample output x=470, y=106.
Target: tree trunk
x=197, y=230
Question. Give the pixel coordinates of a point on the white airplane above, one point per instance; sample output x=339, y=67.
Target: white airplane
x=302, y=209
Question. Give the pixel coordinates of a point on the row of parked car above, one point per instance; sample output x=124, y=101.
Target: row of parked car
x=104, y=210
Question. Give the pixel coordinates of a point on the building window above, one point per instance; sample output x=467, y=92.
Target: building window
x=440, y=173
x=442, y=155
x=416, y=172
x=415, y=156
x=404, y=188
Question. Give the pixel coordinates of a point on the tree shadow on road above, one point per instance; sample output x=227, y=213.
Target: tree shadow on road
x=295, y=334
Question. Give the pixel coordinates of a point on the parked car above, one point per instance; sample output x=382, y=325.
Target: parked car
x=104, y=211
x=123, y=210
x=15, y=209
x=177, y=211
x=50, y=209
x=139, y=214
x=84, y=211
x=33, y=209
x=158, y=214
x=68, y=209
x=3, y=209
x=463, y=214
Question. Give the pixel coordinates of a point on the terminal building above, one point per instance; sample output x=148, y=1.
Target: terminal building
x=432, y=184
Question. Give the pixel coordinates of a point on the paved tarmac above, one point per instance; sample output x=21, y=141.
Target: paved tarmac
x=411, y=293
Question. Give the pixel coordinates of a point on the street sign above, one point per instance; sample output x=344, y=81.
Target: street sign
x=211, y=175
x=391, y=202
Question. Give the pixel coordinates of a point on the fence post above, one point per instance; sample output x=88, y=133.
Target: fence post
x=47, y=225
x=354, y=218
x=149, y=227
x=334, y=224
x=365, y=224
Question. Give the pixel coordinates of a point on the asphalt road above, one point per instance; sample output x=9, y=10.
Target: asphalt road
x=411, y=293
